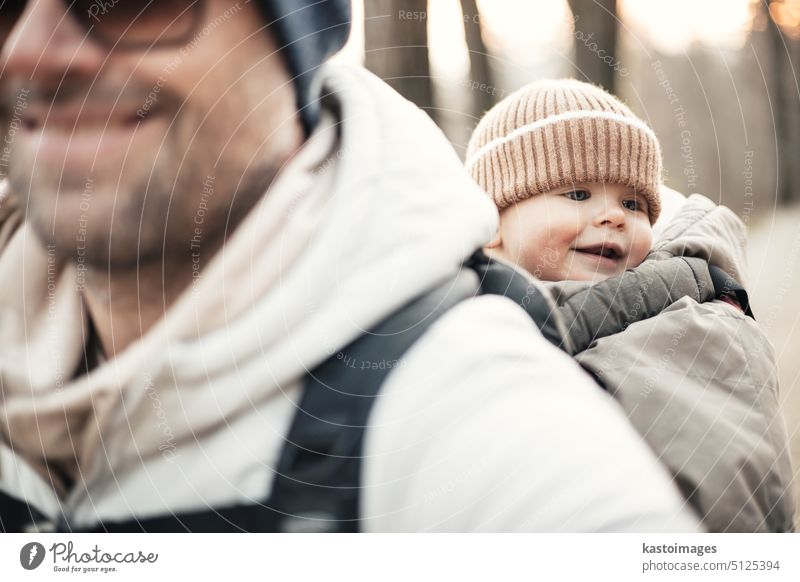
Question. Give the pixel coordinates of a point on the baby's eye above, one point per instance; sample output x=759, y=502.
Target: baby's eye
x=633, y=205
x=578, y=195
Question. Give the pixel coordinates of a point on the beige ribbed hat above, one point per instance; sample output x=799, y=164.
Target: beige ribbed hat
x=554, y=133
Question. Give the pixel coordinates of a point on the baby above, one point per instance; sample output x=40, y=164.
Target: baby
x=575, y=175
x=576, y=178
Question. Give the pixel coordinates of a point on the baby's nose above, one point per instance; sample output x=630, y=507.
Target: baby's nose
x=611, y=215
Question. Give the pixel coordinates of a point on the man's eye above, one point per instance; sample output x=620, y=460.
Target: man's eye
x=577, y=195
x=633, y=205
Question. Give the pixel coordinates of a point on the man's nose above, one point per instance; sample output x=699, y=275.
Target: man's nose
x=47, y=42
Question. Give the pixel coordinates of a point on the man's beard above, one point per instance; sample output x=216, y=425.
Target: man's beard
x=133, y=231
x=156, y=221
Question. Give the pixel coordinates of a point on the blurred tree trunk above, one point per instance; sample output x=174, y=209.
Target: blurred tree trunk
x=786, y=110
x=396, y=47
x=484, y=96
x=595, y=40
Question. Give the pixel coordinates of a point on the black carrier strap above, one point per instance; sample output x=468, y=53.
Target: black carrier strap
x=500, y=279
x=16, y=515
x=317, y=487
x=724, y=284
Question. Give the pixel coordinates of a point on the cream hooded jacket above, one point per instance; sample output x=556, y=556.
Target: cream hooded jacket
x=485, y=426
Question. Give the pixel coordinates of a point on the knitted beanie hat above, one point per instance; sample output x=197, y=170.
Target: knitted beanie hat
x=554, y=133
x=307, y=33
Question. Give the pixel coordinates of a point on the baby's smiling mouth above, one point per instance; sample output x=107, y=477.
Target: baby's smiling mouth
x=609, y=250
x=609, y=254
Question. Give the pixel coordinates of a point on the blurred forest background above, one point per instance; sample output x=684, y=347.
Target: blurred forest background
x=716, y=79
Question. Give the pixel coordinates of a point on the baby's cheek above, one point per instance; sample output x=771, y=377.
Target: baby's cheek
x=640, y=248
x=544, y=262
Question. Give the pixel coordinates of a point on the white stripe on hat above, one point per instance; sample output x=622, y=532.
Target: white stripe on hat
x=567, y=116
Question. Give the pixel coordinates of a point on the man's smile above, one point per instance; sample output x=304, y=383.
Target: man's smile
x=80, y=135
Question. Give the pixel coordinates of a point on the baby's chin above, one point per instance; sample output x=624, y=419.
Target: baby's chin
x=590, y=267
x=589, y=276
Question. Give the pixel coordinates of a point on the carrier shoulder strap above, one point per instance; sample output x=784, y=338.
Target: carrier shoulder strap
x=318, y=479
x=498, y=278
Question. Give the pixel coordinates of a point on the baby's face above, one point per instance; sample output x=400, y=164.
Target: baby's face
x=581, y=232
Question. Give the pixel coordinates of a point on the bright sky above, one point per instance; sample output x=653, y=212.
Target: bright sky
x=673, y=26
x=524, y=30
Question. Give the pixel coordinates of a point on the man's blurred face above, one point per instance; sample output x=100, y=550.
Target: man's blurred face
x=123, y=155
